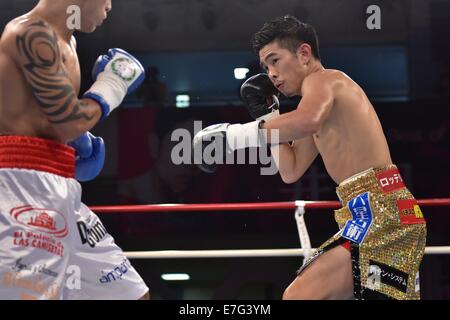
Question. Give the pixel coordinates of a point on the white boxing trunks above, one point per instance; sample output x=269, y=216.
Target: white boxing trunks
x=51, y=245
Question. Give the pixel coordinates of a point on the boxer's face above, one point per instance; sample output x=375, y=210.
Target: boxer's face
x=285, y=68
x=93, y=13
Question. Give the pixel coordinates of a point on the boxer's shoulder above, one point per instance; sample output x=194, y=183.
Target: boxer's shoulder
x=22, y=28
x=335, y=80
x=24, y=23
x=326, y=76
x=320, y=81
x=23, y=35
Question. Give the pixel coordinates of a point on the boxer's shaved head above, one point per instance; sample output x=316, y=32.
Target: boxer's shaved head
x=92, y=12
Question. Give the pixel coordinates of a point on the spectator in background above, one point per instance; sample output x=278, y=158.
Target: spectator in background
x=153, y=91
x=161, y=181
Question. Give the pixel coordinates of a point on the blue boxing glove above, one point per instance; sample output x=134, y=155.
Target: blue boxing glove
x=90, y=156
x=116, y=74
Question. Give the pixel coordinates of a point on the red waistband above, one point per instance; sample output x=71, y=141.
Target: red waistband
x=21, y=152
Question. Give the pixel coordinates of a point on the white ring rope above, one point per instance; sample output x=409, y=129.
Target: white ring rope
x=305, y=251
x=303, y=234
x=245, y=253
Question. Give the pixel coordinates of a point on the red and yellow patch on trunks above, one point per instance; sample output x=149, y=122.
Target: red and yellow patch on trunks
x=410, y=212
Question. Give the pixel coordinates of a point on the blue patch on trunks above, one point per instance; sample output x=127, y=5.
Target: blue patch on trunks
x=356, y=229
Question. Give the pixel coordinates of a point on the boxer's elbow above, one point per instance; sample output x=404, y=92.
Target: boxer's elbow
x=81, y=119
x=288, y=179
x=287, y=164
x=67, y=133
x=293, y=173
x=70, y=131
x=289, y=176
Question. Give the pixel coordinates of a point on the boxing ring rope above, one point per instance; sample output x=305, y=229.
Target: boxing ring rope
x=300, y=210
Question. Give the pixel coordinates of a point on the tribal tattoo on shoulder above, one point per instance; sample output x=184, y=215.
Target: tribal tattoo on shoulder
x=50, y=84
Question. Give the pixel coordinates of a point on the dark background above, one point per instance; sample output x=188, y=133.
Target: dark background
x=195, y=44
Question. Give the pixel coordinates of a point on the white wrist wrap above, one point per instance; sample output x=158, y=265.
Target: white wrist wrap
x=112, y=89
x=241, y=136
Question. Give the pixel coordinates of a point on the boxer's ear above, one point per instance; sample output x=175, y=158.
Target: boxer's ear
x=304, y=52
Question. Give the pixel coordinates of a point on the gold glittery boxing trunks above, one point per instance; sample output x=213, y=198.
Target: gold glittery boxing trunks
x=387, y=234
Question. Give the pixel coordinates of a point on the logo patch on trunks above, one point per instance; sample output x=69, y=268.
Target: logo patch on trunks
x=410, y=212
x=48, y=221
x=356, y=229
x=388, y=275
x=390, y=180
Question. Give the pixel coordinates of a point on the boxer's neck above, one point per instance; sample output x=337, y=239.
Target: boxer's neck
x=55, y=14
x=314, y=66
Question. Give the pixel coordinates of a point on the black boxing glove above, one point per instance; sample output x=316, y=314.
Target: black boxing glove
x=260, y=97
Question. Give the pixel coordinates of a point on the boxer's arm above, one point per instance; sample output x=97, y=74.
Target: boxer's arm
x=293, y=161
x=306, y=120
x=34, y=47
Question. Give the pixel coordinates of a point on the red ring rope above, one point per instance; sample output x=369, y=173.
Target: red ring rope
x=241, y=206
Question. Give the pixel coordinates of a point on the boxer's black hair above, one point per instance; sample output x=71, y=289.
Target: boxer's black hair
x=289, y=32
